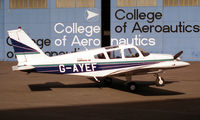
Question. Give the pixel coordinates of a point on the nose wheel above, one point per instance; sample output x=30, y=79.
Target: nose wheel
x=159, y=81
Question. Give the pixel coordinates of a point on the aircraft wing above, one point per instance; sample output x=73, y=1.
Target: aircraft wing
x=127, y=70
x=136, y=71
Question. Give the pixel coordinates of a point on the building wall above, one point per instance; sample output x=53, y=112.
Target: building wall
x=40, y=25
x=47, y=27
x=125, y=29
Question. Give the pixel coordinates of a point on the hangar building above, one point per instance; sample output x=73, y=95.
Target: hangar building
x=64, y=26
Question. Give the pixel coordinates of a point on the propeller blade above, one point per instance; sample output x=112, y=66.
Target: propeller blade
x=178, y=54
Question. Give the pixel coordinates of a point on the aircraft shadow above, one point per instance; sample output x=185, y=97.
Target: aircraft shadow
x=143, y=87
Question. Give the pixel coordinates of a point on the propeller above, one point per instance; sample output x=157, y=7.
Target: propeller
x=178, y=54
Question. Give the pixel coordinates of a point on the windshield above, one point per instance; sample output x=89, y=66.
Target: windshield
x=130, y=53
x=144, y=53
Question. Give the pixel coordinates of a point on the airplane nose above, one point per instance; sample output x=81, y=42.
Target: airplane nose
x=186, y=64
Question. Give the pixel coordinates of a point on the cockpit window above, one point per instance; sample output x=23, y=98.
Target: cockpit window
x=144, y=53
x=115, y=54
x=130, y=53
x=100, y=56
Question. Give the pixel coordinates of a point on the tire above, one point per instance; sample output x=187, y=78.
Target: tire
x=160, y=81
x=131, y=87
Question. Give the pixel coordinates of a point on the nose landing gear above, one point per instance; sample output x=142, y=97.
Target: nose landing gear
x=159, y=81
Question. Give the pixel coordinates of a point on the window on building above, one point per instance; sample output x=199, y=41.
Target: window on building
x=170, y=2
x=115, y=54
x=21, y=4
x=37, y=3
x=65, y=3
x=126, y=3
x=146, y=2
x=18, y=4
x=188, y=2
x=75, y=3
x=85, y=3
x=180, y=2
x=134, y=3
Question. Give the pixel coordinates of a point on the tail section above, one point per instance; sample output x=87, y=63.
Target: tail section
x=27, y=52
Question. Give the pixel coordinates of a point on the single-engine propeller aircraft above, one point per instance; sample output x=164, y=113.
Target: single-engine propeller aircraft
x=126, y=60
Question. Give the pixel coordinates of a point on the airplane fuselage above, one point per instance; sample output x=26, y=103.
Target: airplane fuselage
x=85, y=64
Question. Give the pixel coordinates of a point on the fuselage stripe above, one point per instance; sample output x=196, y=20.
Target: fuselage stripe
x=106, y=63
x=78, y=67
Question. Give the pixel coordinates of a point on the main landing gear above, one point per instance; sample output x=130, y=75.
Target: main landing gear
x=131, y=86
x=104, y=81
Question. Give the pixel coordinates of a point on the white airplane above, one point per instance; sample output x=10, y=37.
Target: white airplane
x=126, y=60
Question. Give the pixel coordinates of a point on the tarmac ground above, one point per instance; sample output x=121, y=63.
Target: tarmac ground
x=38, y=96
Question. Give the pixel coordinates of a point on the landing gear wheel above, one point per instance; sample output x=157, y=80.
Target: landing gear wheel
x=131, y=87
x=160, y=81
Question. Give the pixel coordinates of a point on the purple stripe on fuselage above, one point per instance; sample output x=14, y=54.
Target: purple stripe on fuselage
x=116, y=66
